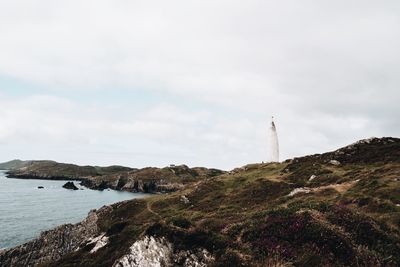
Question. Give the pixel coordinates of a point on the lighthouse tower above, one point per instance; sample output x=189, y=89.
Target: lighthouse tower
x=273, y=144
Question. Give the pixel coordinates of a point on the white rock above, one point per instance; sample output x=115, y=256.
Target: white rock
x=334, y=162
x=151, y=252
x=101, y=241
x=363, y=141
x=312, y=177
x=158, y=252
x=299, y=190
x=185, y=200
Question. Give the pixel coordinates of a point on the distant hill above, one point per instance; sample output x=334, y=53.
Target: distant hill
x=149, y=180
x=13, y=164
x=55, y=170
x=340, y=208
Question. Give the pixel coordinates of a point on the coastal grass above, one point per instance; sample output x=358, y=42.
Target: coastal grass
x=246, y=217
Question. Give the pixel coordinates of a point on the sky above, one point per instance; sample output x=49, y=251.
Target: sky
x=153, y=83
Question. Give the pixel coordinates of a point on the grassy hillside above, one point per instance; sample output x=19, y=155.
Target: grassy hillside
x=50, y=169
x=309, y=211
x=13, y=164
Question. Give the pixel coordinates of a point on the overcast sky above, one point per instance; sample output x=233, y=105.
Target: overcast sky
x=152, y=83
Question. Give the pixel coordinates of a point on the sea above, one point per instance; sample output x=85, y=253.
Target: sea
x=26, y=210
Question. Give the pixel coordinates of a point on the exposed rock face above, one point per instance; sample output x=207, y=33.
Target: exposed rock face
x=147, y=252
x=51, y=245
x=147, y=180
x=70, y=185
x=157, y=252
x=99, y=242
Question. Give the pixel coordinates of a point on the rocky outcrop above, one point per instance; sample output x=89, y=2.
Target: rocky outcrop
x=146, y=180
x=151, y=251
x=133, y=185
x=70, y=185
x=51, y=245
x=369, y=151
x=365, y=151
x=98, y=242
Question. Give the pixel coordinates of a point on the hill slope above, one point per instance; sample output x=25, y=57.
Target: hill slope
x=13, y=164
x=340, y=208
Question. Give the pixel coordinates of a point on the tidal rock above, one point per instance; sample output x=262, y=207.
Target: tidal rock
x=70, y=185
x=102, y=186
x=40, y=187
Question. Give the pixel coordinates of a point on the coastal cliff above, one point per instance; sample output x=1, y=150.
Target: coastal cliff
x=52, y=244
x=340, y=208
x=147, y=180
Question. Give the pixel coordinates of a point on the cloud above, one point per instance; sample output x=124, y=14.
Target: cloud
x=327, y=70
x=52, y=127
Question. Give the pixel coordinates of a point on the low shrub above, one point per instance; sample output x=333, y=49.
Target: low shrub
x=285, y=232
x=181, y=222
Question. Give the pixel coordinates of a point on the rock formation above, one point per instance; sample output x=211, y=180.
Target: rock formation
x=51, y=245
x=151, y=251
x=147, y=180
x=70, y=185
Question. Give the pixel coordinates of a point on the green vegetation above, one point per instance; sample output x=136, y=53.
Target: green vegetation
x=247, y=218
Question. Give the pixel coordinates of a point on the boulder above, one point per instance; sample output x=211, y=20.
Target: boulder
x=70, y=185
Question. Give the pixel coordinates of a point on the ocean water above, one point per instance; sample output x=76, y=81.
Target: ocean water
x=26, y=211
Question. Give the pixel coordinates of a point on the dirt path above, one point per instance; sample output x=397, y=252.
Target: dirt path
x=148, y=206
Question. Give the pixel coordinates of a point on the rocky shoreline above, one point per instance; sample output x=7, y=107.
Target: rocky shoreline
x=12, y=175
x=88, y=236
x=51, y=245
x=146, y=180
x=308, y=211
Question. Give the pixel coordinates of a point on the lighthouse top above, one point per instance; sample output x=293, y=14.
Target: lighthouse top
x=273, y=146
x=272, y=122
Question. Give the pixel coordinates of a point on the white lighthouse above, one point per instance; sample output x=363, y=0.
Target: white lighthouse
x=273, y=146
